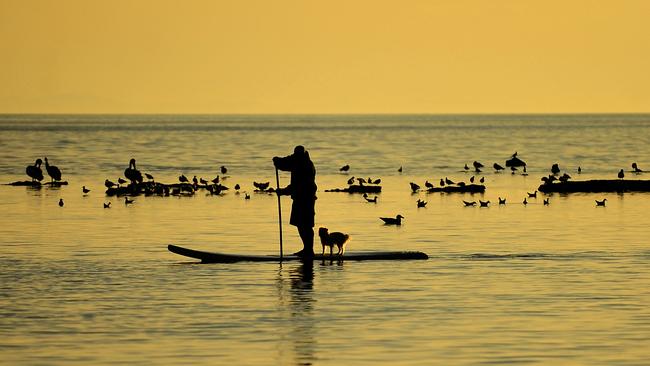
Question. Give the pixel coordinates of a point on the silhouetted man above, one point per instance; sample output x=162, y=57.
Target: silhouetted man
x=303, y=193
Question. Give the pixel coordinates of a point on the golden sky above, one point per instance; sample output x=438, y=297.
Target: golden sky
x=351, y=56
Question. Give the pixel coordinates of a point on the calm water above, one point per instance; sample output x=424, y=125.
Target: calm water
x=567, y=283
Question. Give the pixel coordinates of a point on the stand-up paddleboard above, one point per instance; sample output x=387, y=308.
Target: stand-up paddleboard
x=211, y=257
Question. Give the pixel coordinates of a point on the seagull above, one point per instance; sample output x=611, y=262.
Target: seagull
x=601, y=203
x=442, y=182
x=203, y=181
x=247, y=196
x=109, y=184
x=428, y=184
x=482, y=180
x=514, y=155
x=371, y=200
x=237, y=187
x=392, y=221
x=127, y=201
x=361, y=181
x=484, y=203
x=107, y=205
x=195, y=181
x=547, y=201
x=449, y=181
x=85, y=190
x=34, y=171
x=61, y=202
x=525, y=201
x=564, y=178
x=502, y=201
x=351, y=181
x=532, y=195
x=149, y=176
x=344, y=168
x=555, y=169
x=466, y=167
x=261, y=186
x=377, y=181
x=468, y=204
x=183, y=179
x=621, y=174
x=414, y=187
x=52, y=171
x=635, y=168
x=400, y=169
x=421, y=203
x=461, y=184
x=471, y=180
x=215, y=180
x=477, y=165
x=497, y=167
x=579, y=170
x=120, y=181
x=223, y=169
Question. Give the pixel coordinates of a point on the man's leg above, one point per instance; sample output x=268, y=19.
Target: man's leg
x=307, y=235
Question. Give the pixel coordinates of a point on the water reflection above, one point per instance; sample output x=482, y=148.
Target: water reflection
x=300, y=307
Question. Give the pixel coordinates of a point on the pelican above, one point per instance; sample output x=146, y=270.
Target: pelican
x=414, y=187
x=621, y=174
x=52, y=171
x=85, y=190
x=497, y=167
x=107, y=205
x=470, y=203
x=601, y=203
x=133, y=174
x=127, y=201
x=502, y=201
x=344, y=168
x=34, y=171
x=484, y=203
x=223, y=169
x=555, y=169
x=421, y=203
x=61, y=202
x=397, y=220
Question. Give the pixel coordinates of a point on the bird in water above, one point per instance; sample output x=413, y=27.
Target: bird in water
x=109, y=184
x=397, y=220
x=477, y=165
x=469, y=203
x=344, y=168
x=149, y=176
x=237, y=187
x=261, y=186
x=532, y=195
x=120, y=181
x=107, y=205
x=466, y=168
x=484, y=203
x=61, y=202
x=127, y=201
x=579, y=170
x=502, y=201
x=52, y=171
x=247, y=196
x=399, y=170
x=85, y=190
x=498, y=167
x=547, y=201
x=414, y=187
x=601, y=203
x=525, y=201
x=635, y=168
x=621, y=174
x=223, y=169
x=133, y=174
x=368, y=199
x=34, y=171
x=421, y=203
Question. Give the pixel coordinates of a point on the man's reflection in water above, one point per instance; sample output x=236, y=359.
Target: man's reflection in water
x=301, y=311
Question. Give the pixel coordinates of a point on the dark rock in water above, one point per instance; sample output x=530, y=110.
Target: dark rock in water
x=29, y=183
x=602, y=185
x=357, y=189
x=515, y=161
x=468, y=188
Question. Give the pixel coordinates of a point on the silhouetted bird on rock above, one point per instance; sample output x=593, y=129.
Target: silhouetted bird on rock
x=61, y=202
x=555, y=169
x=449, y=181
x=477, y=165
x=183, y=179
x=109, y=184
x=621, y=174
x=498, y=167
x=149, y=176
x=344, y=168
x=52, y=171
x=414, y=187
x=133, y=174
x=223, y=169
x=34, y=171
x=397, y=220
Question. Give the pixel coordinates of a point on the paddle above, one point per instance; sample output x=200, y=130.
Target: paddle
x=277, y=192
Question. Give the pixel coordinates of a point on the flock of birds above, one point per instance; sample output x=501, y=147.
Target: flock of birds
x=214, y=186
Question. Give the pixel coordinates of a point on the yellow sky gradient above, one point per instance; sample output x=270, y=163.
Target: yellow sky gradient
x=153, y=56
